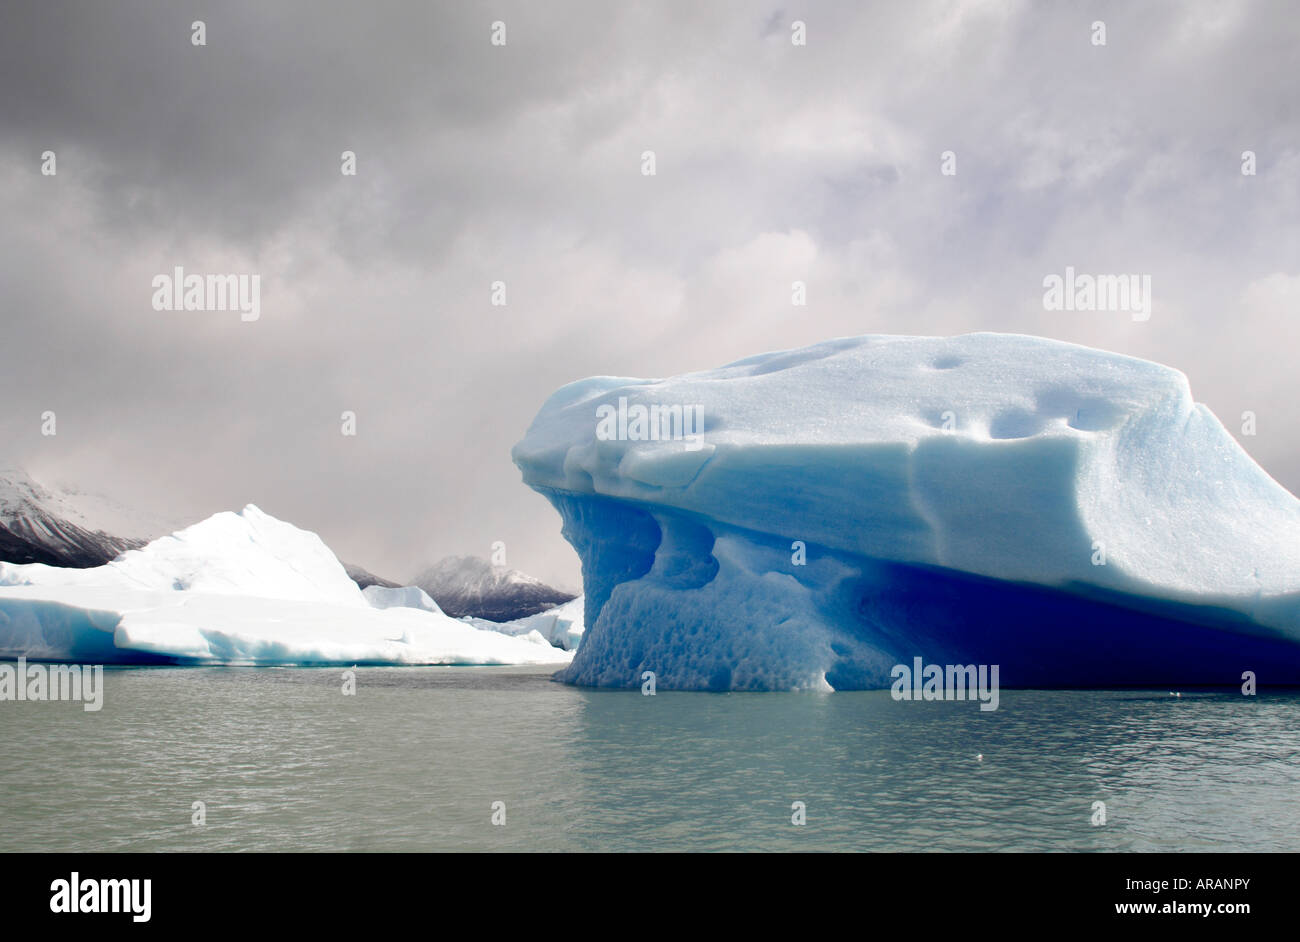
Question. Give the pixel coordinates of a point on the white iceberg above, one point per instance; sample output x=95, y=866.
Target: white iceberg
x=561, y=626
x=1070, y=514
x=407, y=596
x=240, y=588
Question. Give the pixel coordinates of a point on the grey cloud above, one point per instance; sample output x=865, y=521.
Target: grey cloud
x=478, y=163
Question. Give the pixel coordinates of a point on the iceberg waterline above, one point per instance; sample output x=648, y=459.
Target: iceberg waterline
x=240, y=588
x=1071, y=515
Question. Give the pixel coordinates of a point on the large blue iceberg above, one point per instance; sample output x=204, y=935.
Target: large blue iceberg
x=809, y=519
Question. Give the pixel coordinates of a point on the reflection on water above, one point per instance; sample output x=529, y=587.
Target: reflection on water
x=415, y=761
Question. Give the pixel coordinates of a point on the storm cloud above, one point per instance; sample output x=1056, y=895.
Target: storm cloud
x=522, y=163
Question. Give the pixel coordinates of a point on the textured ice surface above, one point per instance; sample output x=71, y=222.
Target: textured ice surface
x=240, y=588
x=952, y=496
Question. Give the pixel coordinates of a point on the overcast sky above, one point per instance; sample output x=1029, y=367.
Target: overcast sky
x=523, y=163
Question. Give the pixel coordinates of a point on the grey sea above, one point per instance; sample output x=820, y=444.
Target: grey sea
x=504, y=759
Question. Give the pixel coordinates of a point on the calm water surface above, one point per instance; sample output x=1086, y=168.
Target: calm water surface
x=417, y=758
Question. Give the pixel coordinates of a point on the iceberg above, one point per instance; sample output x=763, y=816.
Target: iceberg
x=406, y=596
x=241, y=588
x=561, y=626
x=1069, y=514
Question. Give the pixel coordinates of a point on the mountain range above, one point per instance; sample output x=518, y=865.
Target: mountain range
x=62, y=526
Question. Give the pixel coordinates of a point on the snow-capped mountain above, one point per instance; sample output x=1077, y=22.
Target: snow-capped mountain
x=470, y=585
x=63, y=526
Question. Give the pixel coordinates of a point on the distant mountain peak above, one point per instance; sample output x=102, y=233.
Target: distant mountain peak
x=471, y=585
x=364, y=578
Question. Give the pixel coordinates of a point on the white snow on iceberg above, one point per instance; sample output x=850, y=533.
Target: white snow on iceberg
x=1070, y=514
x=407, y=596
x=562, y=626
x=240, y=588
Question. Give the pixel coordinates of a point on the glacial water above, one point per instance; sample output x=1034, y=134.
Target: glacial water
x=416, y=760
